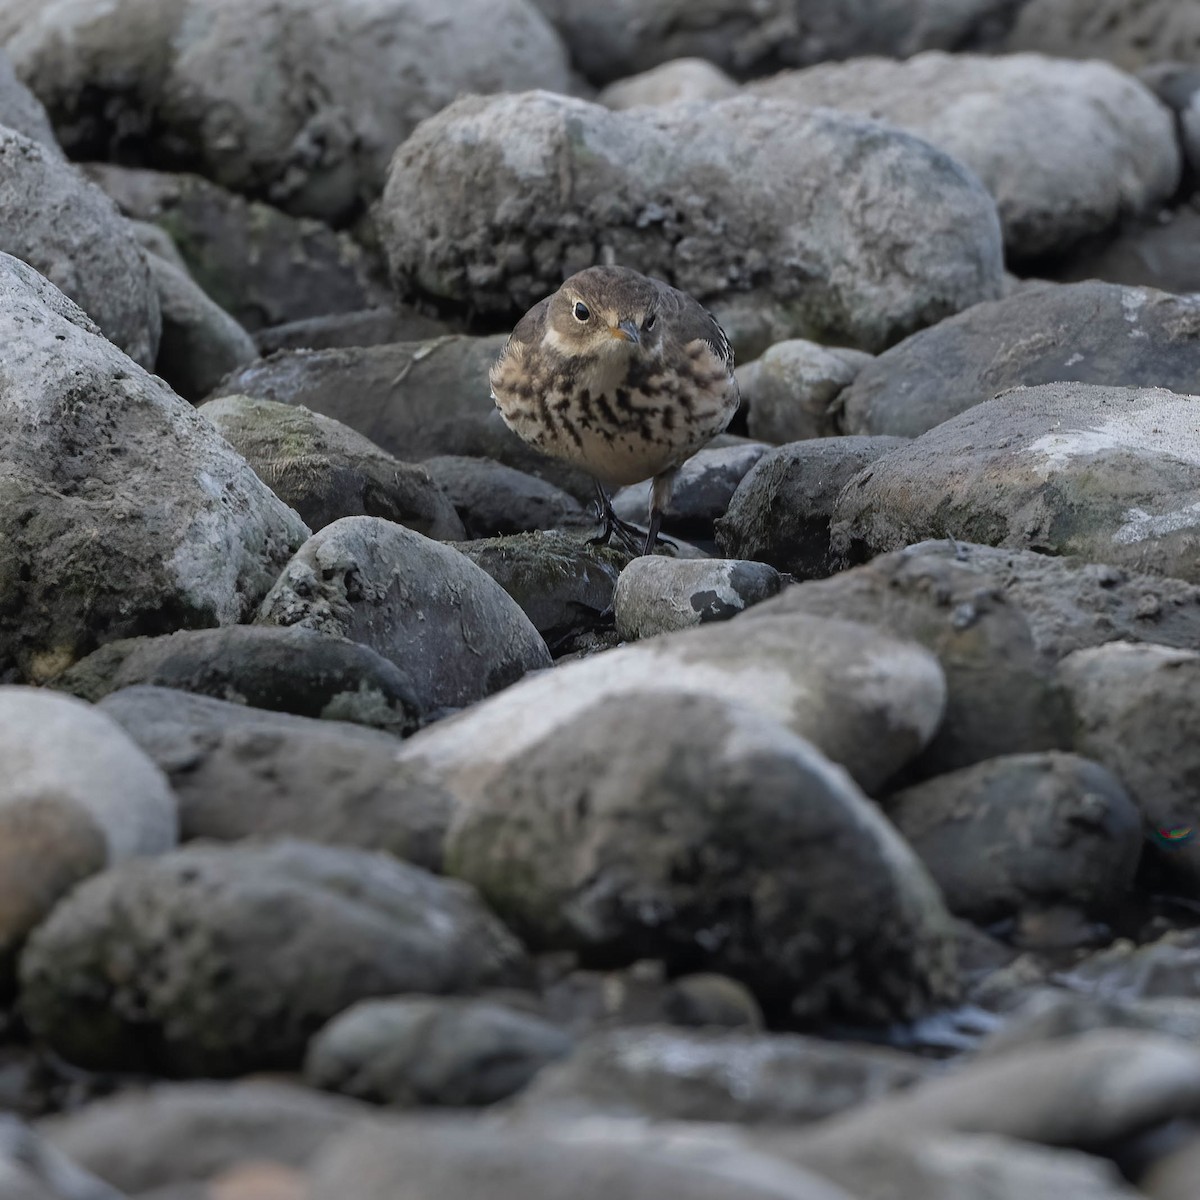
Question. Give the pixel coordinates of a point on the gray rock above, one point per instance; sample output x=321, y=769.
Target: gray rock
x=121, y=510
x=1054, y=829
x=1136, y=709
x=260, y=265
x=1001, y=697
x=155, y=240
x=172, y=1133
x=1128, y=32
x=325, y=470
x=703, y=489
x=1066, y=148
x=446, y=1160
x=445, y=622
x=780, y=513
x=676, y=82
x=493, y=500
x=297, y=671
x=369, y=327
x=76, y=795
x=633, y=35
x=1109, y=474
x=1166, y=968
x=70, y=231
x=865, y=699
x=21, y=110
x=404, y=397
x=1069, y=603
x=563, y=584
x=658, y=595
x=739, y=198
x=1173, y=1176
x=242, y=772
x=794, y=389
x=715, y=1075
x=639, y=827
x=201, y=343
x=1046, y=333
x=278, y=101
x=235, y=955
x=414, y=1051
x=32, y=1170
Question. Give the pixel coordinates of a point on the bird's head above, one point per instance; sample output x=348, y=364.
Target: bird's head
x=603, y=312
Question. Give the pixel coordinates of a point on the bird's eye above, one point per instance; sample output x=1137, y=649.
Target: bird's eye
x=581, y=311
x=650, y=322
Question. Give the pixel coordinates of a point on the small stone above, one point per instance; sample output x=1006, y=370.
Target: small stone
x=681, y=80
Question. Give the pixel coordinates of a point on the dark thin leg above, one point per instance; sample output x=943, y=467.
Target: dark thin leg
x=628, y=536
x=660, y=497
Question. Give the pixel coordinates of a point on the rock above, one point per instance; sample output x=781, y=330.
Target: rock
x=1066, y=148
x=715, y=1075
x=201, y=343
x=121, y=510
x=795, y=387
x=217, y=960
x=781, y=511
x=445, y=622
x=156, y=241
x=403, y=397
x=1127, y=33
x=172, y=1133
x=1177, y=85
x=864, y=699
x=241, y=772
x=1163, y=254
x=676, y=82
x=739, y=198
x=260, y=265
x=494, y=500
x=325, y=470
x=285, y=102
x=658, y=595
x=1110, y=474
x=1136, y=710
x=68, y=230
x=563, y=584
x=76, y=795
x=1173, y=1177
x=419, y=1051
x=32, y=1170
x=703, y=489
x=1046, y=333
x=369, y=327
x=638, y=34
x=446, y=1160
x=284, y=670
x=637, y=828
x=1054, y=829
x=21, y=110
x=1165, y=968
x=1068, y=603
x=1092, y=1090
x=1001, y=697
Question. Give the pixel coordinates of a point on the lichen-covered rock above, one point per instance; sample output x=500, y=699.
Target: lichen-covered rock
x=244, y=772
x=217, y=960
x=325, y=470
x=299, y=102
x=639, y=826
x=122, y=511
x=297, y=671
x=261, y=265
x=1110, y=474
x=446, y=623
x=1046, y=333
x=1066, y=148
x=846, y=230
x=67, y=229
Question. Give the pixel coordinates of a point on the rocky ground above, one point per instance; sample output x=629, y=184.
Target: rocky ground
x=367, y=832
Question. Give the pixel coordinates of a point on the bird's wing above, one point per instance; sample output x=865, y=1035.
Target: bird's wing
x=691, y=321
x=530, y=328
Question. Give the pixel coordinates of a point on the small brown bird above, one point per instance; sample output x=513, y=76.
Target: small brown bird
x=621, y=375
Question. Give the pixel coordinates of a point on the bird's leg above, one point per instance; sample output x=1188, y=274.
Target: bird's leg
x=660, y=497
x=627, y=535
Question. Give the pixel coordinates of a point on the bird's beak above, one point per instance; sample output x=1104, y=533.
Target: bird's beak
x=626, y=331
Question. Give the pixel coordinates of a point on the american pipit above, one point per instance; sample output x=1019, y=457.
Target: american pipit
x=621, y=375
